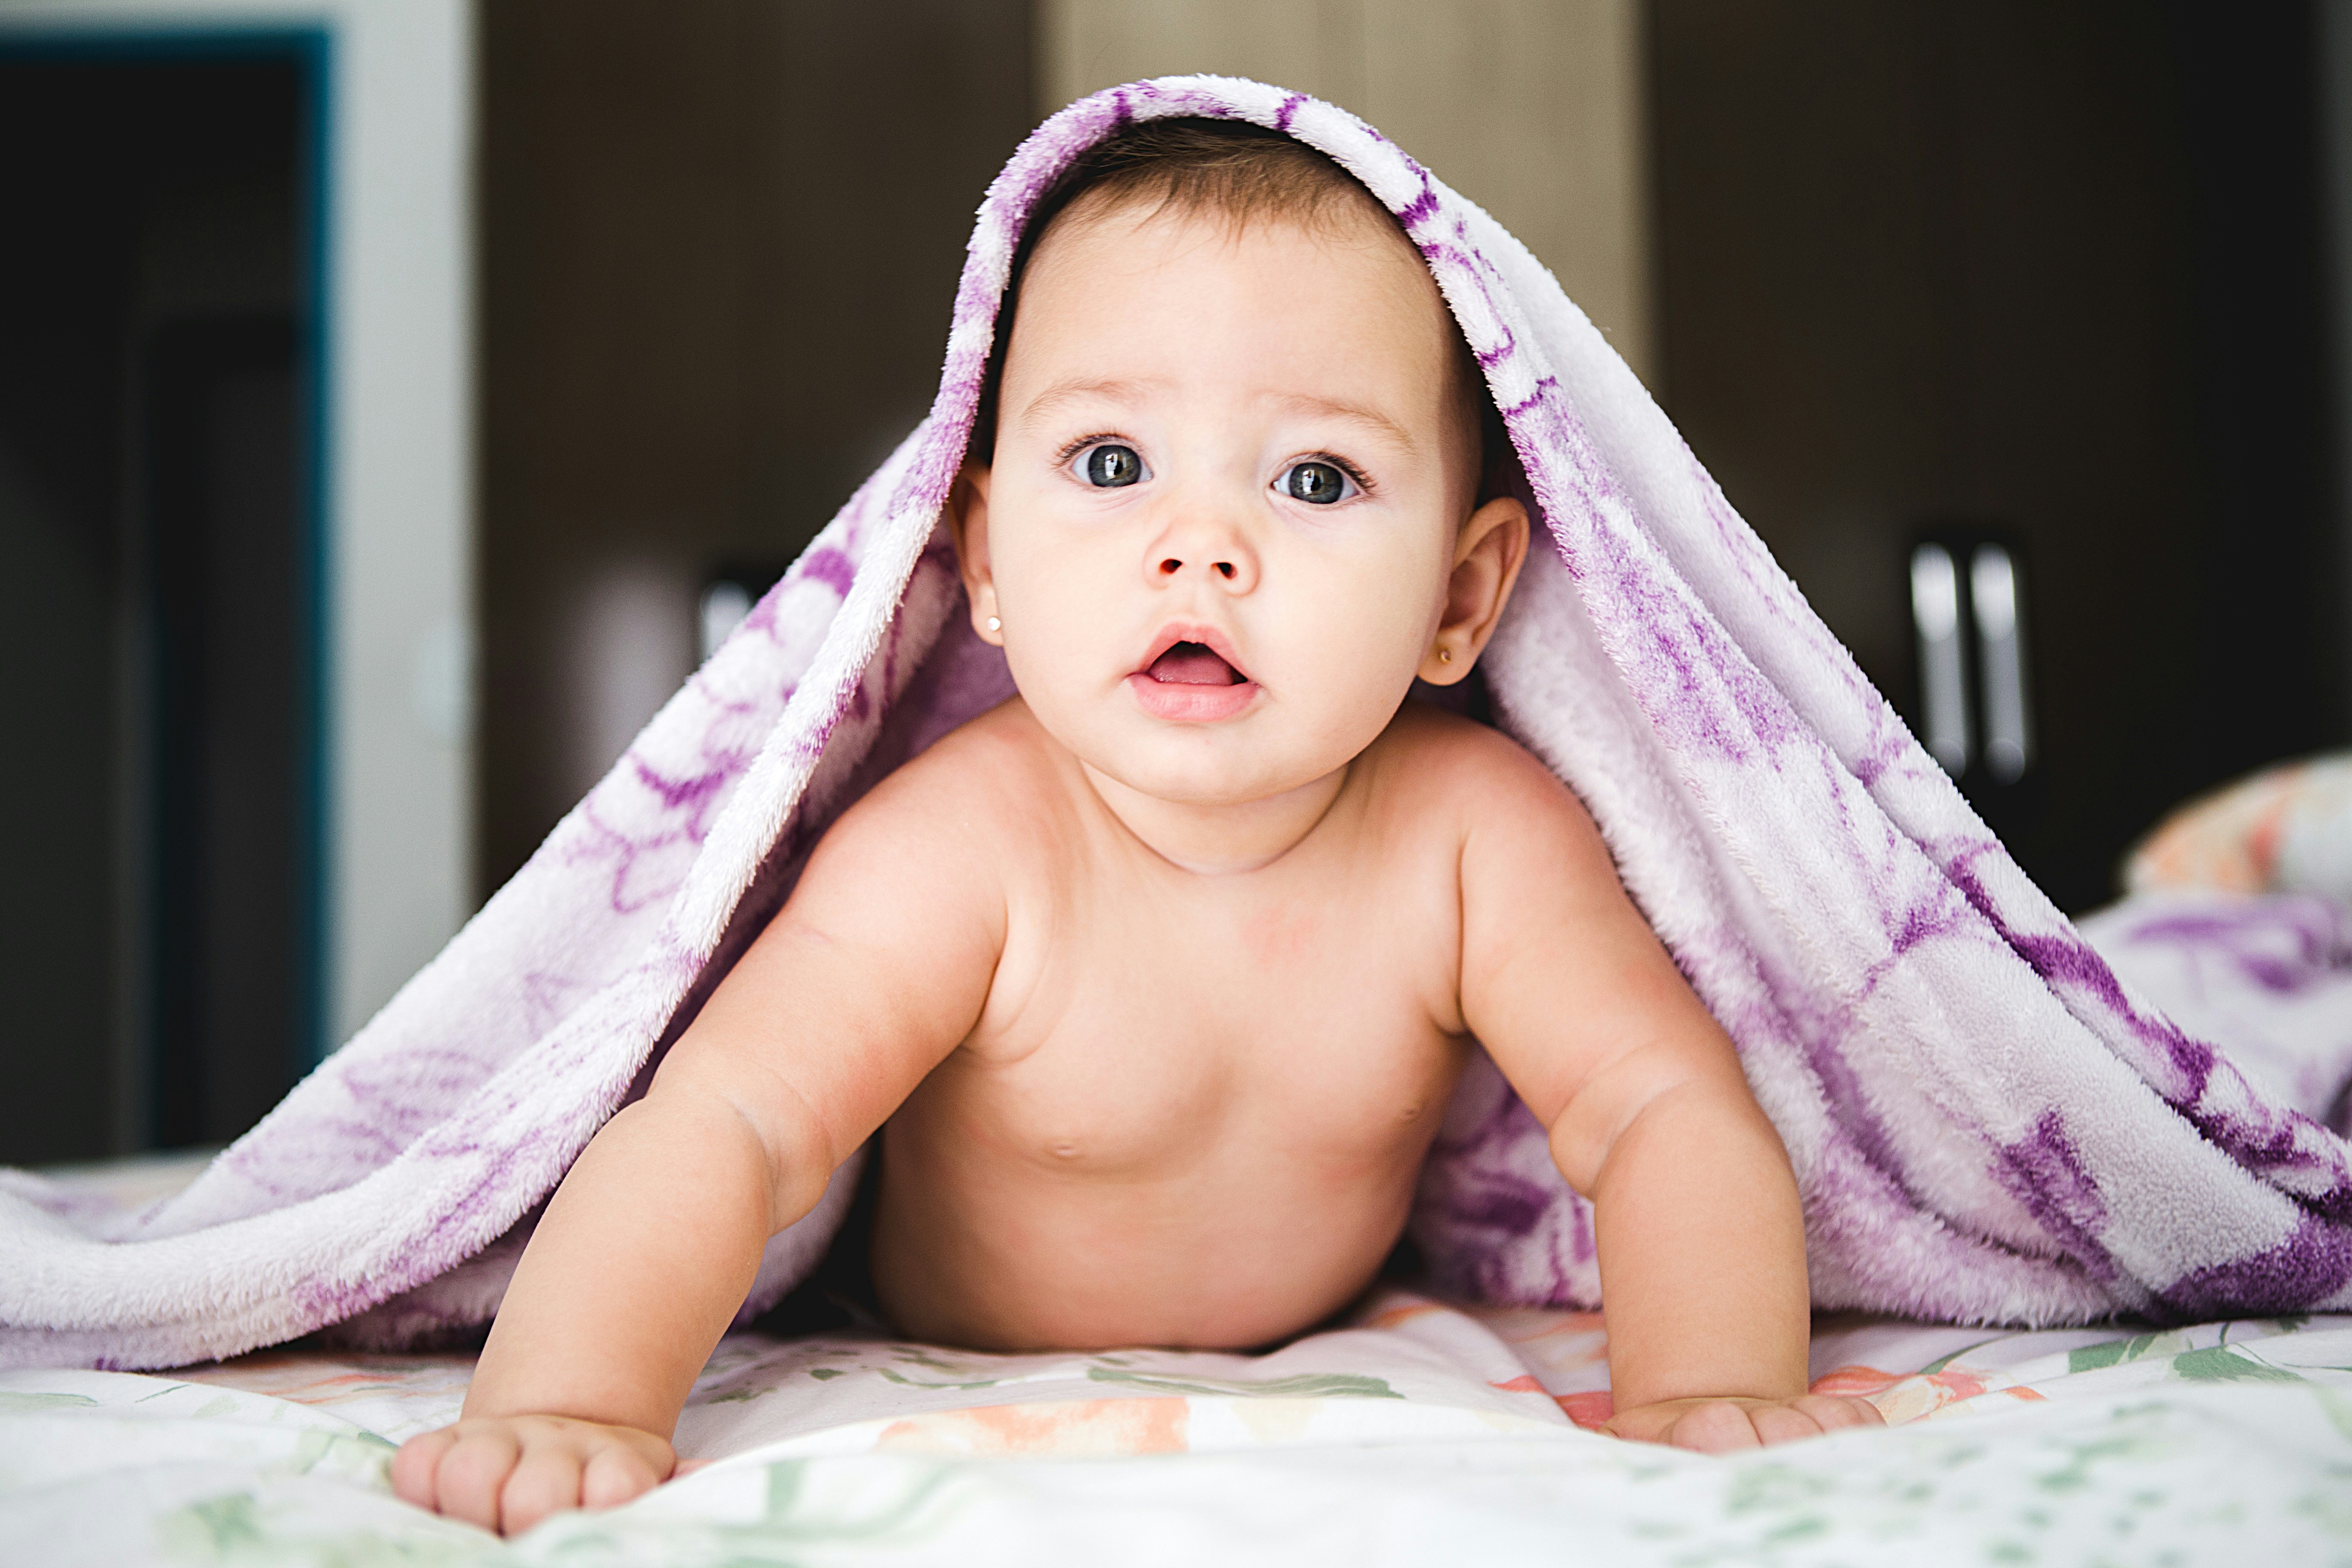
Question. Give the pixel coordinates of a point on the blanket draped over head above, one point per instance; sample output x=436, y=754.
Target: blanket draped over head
x=1985, y=1123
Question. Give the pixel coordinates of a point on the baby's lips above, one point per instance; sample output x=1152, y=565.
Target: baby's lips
x=1194, y=664
x=1188, y=702
x=1210, y=639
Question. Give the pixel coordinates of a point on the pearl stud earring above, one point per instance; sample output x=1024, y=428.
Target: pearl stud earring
x=1445, y=656
x=994, y=624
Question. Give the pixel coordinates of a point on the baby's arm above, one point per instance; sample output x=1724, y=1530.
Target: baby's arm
x=1702, y=1240
x=874, y=971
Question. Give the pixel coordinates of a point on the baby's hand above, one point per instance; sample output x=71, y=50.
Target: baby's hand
x=1722, y=1425
x=508, y=1472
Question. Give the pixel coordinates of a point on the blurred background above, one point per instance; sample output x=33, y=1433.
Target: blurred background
x=398, y=396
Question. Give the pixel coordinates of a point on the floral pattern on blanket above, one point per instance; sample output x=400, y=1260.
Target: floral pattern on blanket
x=1416, y=1425
x=2278, y=1349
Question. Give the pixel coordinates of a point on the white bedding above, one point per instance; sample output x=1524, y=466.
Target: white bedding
x=1421, y=1433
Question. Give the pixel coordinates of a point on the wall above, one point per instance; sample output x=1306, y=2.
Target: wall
x=720, y=247
x=1534, y=108
x=399, y=763
x=2052, y=271
x=2334, y=69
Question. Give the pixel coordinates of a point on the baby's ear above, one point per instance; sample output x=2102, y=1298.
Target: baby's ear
x=1487, y=555
x=966, y=515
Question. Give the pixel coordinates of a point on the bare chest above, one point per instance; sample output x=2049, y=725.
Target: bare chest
x=1140, y=1036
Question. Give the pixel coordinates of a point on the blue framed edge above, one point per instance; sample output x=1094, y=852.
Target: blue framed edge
x=311, y=45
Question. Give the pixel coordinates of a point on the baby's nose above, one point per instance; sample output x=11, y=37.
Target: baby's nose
x=1202, y=540
x=1173, y=566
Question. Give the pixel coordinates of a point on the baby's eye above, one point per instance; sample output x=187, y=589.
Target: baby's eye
x=1317, y=482
x=1111, y=466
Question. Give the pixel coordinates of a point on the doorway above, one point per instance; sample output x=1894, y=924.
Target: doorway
x=160, y=565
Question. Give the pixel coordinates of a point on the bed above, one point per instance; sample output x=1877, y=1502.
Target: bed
x=1417, y=1431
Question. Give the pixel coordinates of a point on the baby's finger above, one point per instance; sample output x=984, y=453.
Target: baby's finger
x=414, y=1466
x=546, y=1480
x=472, y=1474
x=1782, y=1424
x=1719, y=1427
x=1837, y=1413
x=614, y=1475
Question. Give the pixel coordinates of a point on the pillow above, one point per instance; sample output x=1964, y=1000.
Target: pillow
x=2287, y=829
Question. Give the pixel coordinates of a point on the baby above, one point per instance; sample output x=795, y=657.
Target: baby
x=1157, y=979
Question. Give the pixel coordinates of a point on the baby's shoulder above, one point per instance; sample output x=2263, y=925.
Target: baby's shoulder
x=1444, y=768
x=1521, y=841
x=993, y=778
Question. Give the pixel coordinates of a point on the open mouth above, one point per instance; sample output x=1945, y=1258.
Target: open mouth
x=1193, y=678
x=1194, y=664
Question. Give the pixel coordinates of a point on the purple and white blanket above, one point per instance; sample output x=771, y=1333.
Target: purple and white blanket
x=1987, y=1125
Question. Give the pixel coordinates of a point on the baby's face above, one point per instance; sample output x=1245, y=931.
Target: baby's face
x=1222, y=513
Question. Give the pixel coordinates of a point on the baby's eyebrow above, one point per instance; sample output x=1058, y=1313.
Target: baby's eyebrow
x=1048, y=402
x=1110, y=390
x=1371, y=419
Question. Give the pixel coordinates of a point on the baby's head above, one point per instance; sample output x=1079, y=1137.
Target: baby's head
x=1231, y=486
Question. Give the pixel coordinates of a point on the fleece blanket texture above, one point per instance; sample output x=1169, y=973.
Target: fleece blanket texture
x=1985, y=1123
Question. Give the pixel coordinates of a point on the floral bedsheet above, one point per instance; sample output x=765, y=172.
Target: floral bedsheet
x=1418, y=1432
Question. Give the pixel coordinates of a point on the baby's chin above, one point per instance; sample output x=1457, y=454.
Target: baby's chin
x=1228, y=772
x=1255, y=756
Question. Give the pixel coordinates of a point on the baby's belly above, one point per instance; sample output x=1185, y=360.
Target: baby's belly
x=1230, y=1242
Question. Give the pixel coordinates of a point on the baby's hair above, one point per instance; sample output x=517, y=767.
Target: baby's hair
x=1228, y=167
x=1241, y=172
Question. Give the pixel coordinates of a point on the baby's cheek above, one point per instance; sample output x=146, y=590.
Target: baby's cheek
x=1362, y=658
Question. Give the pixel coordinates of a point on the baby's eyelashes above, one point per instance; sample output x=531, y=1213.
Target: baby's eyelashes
x=1317, y=482
x=1107, y=464
x=1111, y=465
